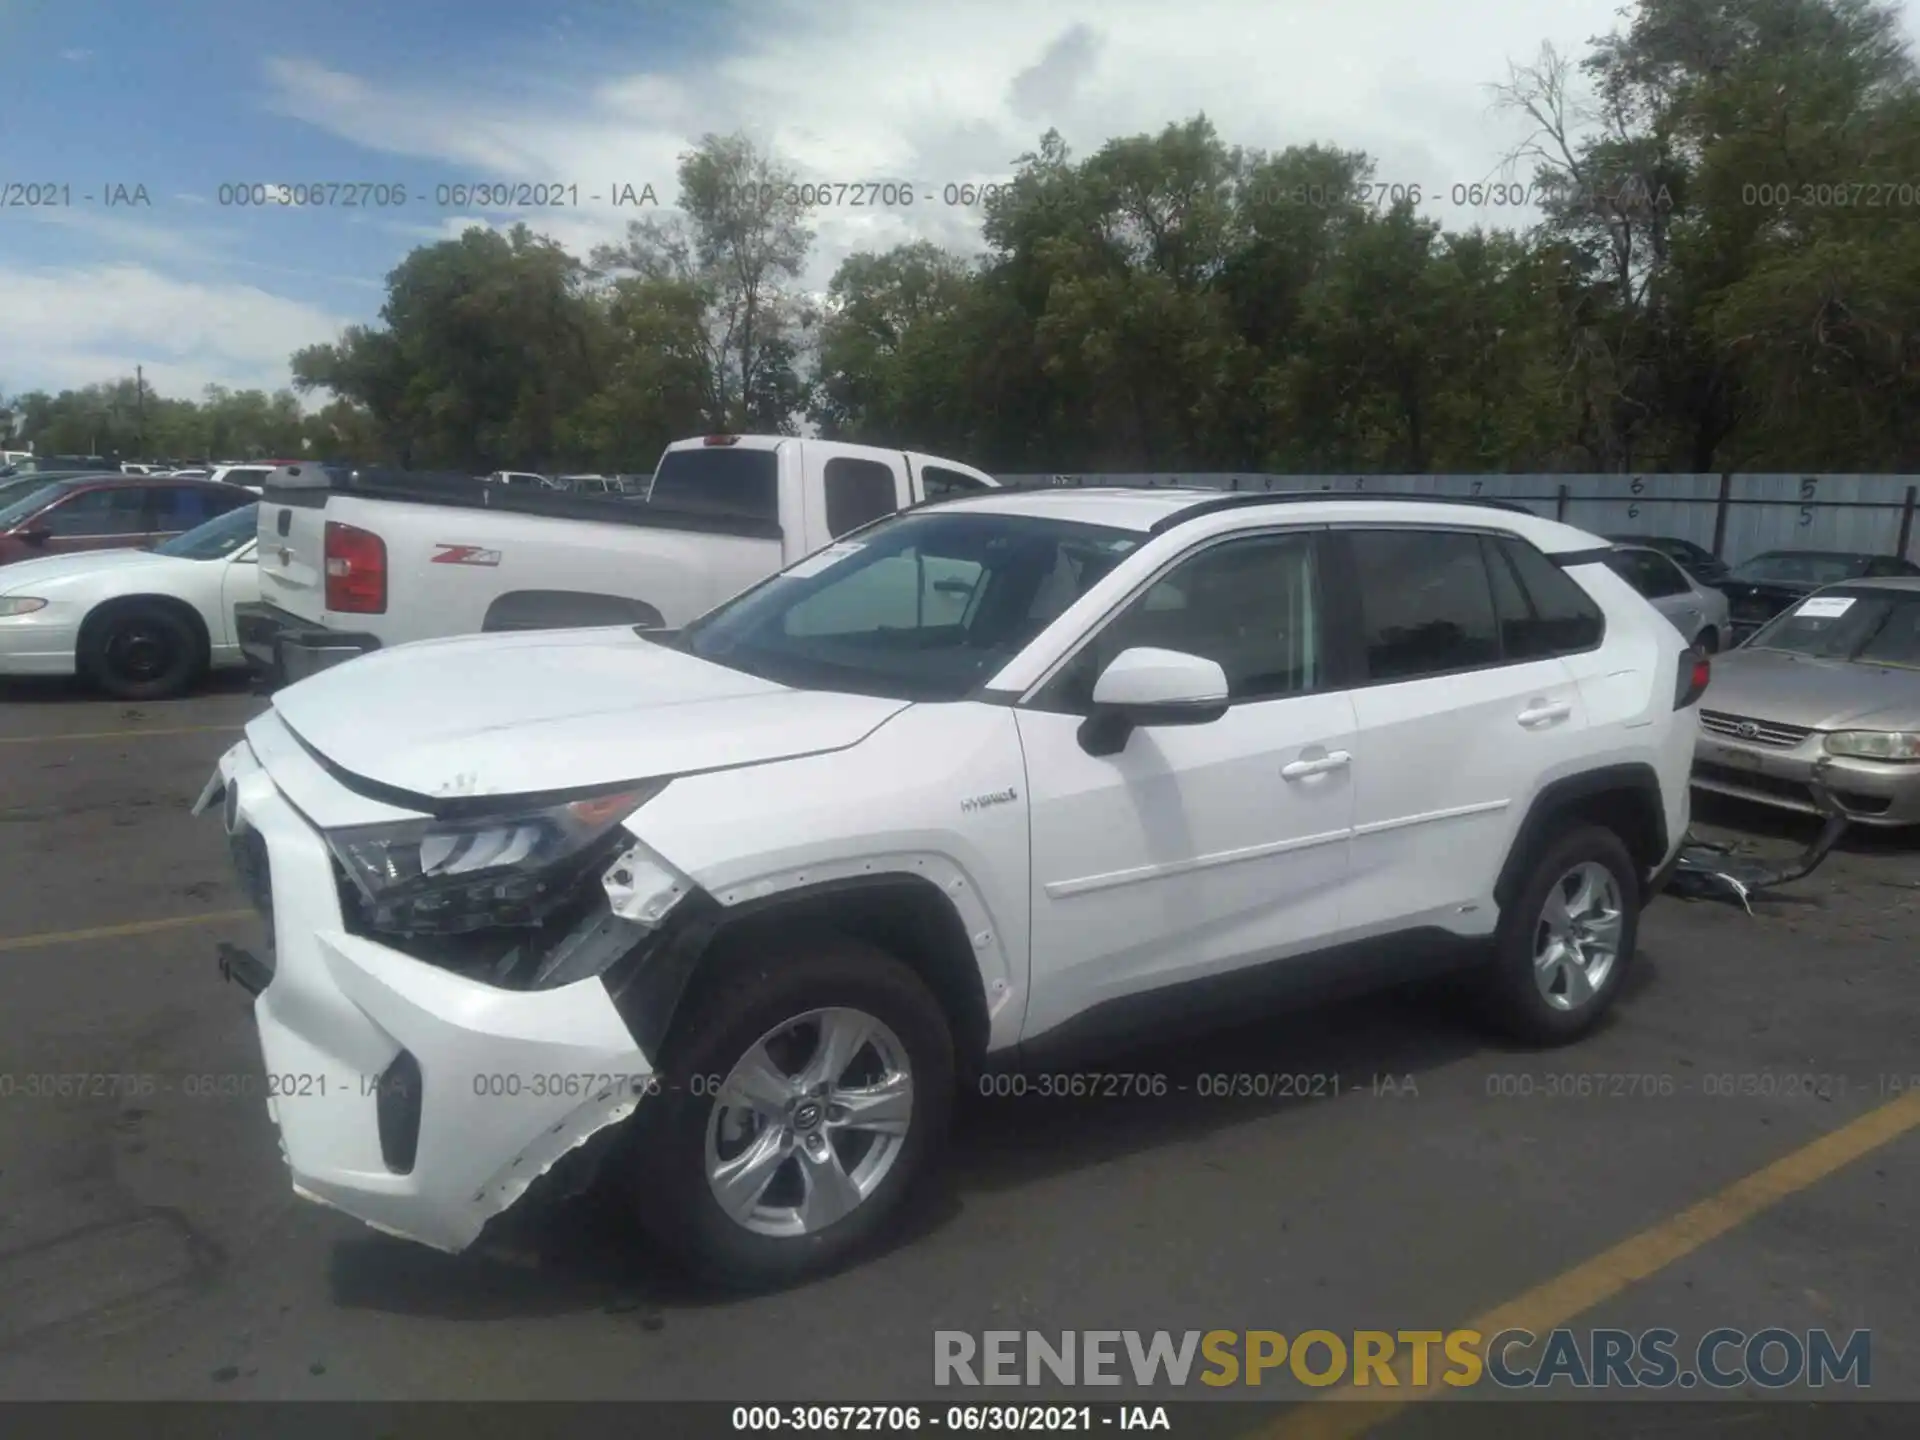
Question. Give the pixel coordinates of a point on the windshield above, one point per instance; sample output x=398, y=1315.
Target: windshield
x=1799, y=567
x=1876, y=627
x=15, y=489
x=32, y=498
x=924, y=607
x=216, y=539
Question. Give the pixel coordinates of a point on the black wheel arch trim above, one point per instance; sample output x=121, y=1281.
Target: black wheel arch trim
x=521, y=610
x=1568, y=793
x=648, y=985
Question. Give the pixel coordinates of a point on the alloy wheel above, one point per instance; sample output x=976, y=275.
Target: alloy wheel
x=1577, y=938
x=809, y=1122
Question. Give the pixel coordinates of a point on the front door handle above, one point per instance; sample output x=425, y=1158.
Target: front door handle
x=1544, y=713
x=1300, y=769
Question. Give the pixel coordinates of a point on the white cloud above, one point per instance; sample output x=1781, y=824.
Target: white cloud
x=870, y=90
x=76, y=56
x=87, y=325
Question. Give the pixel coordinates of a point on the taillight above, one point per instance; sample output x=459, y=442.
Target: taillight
x=1696, y=671
x=356, y=570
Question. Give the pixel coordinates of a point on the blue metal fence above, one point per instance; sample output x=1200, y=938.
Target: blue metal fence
x=1733, y=515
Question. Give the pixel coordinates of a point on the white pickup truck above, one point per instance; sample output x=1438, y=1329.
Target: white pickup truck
x=354, y=561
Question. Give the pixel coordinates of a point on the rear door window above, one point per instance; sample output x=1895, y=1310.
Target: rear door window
x=1426, y=603
x=858, y=493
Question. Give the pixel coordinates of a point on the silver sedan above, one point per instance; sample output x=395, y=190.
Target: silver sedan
x=1828, y=689
x=1697, y=612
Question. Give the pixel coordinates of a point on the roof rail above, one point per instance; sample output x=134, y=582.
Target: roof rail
x=1234, y=500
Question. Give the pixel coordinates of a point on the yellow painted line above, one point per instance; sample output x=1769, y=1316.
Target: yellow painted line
x=117, y=734
x=1606, y=1275
x=112, y=932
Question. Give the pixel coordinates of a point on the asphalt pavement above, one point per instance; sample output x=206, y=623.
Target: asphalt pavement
x=150, y=1247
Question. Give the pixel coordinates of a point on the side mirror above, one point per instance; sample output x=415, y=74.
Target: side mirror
x=36, y=535
x=1148, y=687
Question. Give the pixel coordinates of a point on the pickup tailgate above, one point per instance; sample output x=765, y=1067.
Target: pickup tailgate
x=293, y=524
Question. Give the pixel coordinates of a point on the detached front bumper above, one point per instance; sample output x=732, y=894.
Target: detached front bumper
x=419, y=1101
x=1872, y=792
x=281, y=648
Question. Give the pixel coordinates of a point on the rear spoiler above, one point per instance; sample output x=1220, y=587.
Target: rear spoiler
x=1593, y=555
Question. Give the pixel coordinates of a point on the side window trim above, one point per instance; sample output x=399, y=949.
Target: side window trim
x=1494, y=557
x=1333, y=647
x=1563, y=562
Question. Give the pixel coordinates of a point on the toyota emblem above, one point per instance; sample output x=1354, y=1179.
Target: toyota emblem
x=1748, y=730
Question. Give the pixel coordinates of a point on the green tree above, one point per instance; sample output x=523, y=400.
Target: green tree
x=490, y=343
x=738, y=243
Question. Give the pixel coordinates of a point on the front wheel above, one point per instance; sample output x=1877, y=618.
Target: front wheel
x=141, y=652
x=1564, y=945
x=801, y=1097
x=1708, y=640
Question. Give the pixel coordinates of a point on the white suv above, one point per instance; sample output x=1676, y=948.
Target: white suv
x=992, y=779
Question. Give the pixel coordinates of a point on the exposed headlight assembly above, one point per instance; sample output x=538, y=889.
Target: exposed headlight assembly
x=1875, y=744
x=20, y=605
x=509, y=869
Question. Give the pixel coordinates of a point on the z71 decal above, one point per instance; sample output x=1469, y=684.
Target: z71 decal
x=465, y=555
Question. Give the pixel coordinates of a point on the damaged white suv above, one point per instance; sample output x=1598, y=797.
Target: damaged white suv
x=989, y=780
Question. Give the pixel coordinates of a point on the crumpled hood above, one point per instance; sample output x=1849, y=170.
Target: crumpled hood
x=1816, y=694
x=557, y=710
x=27, y=577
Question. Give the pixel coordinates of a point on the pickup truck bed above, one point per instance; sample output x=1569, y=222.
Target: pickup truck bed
x=352, y=561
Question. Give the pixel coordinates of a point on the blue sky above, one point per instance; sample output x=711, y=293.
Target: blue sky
x=181, y=98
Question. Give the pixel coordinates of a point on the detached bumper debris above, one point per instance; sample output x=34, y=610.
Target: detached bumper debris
x=1707, y=871
x=245, y=969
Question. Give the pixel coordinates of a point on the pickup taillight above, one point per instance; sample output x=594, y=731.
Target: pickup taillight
x=356, y=570
x=1696, y=672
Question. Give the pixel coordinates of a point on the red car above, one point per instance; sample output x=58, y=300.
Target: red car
x=108, y=512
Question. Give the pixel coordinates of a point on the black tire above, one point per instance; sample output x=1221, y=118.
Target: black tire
x=739, y=998
x=141, y=652
x=1513, y=999
x=1708, y=640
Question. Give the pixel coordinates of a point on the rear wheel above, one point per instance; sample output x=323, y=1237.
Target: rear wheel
x=1564, y=946
x=801, y=1097
x=141, y=652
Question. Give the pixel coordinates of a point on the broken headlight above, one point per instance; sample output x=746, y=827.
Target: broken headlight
x=511, y=868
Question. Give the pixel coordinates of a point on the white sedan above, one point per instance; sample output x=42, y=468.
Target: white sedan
x=139, y=624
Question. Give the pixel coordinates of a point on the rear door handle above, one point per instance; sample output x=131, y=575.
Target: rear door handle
x=1545, y=714
x=1300, y=769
